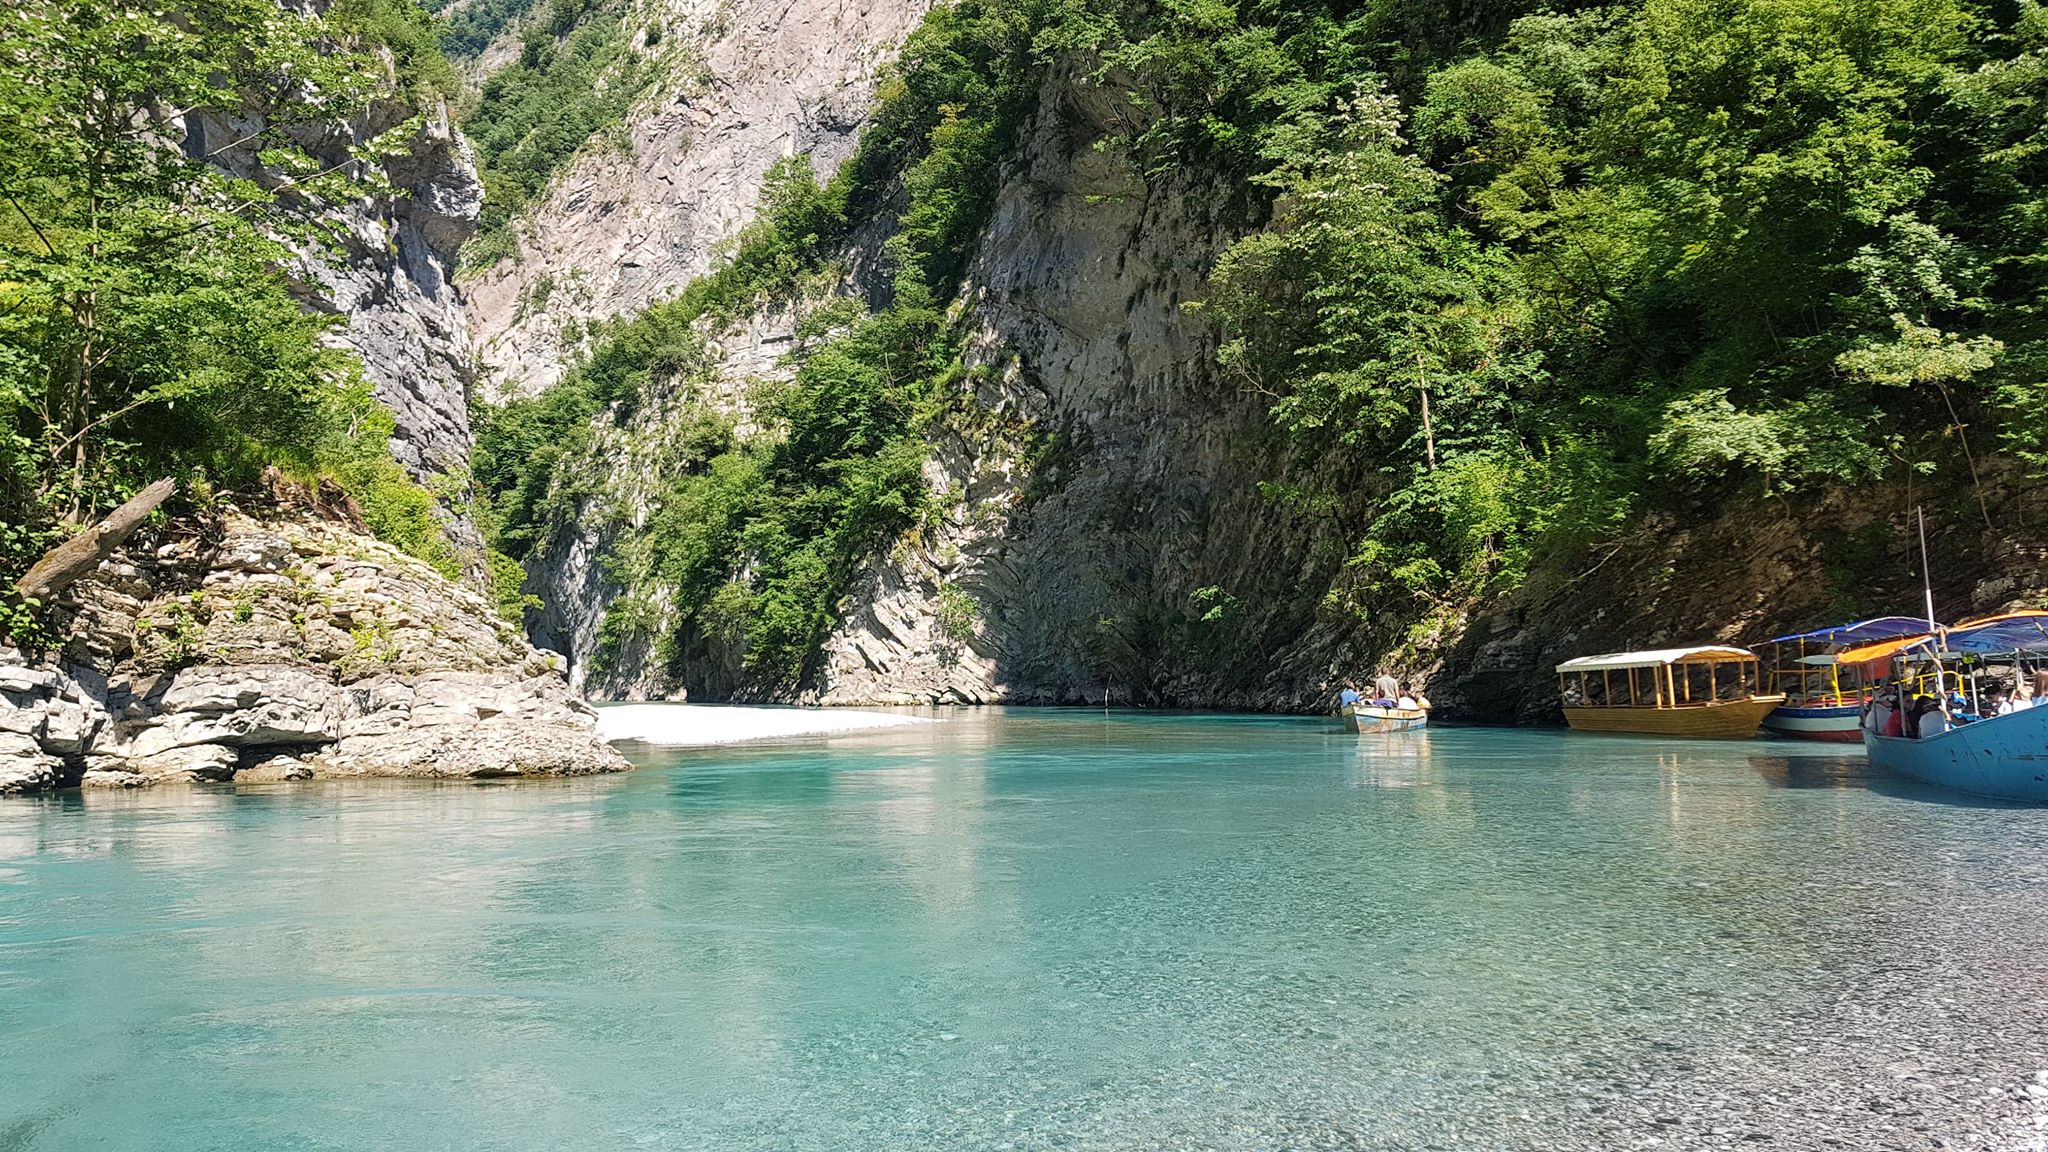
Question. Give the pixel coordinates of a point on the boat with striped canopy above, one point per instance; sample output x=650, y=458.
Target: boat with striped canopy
x=1706, y=692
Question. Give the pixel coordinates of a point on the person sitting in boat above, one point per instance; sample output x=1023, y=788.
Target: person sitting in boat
x=1882, y=717
x=1349, y=696
x=1928, y=718
x=1385, y=690
x=1410, y=698
x=1994, y=703
x=2040, y=688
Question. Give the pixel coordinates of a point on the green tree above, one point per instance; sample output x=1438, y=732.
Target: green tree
x=144, y=315
x=154, y=193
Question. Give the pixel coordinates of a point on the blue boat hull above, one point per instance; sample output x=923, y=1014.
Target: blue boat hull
x=2005, y=757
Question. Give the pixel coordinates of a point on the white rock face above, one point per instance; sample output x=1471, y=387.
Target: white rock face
x=395, y=286
x=619, y=232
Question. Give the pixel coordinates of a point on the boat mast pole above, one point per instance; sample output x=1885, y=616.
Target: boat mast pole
x=1927, y=586
x=1926, y=581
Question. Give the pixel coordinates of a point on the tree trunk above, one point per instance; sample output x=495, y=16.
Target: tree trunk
x=82, y=553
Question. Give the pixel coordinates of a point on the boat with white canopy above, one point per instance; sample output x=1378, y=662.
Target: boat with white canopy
x=1708, y=691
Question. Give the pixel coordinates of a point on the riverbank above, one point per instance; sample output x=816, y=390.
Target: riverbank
x=275, y=645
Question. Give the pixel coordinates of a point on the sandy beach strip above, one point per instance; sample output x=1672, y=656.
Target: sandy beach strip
x=700, y=725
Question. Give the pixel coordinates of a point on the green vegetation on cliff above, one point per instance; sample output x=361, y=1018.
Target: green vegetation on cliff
x=1531, y=274
x=574, y=80
x=797, y=510
x=1637, y=255
x=146, y=328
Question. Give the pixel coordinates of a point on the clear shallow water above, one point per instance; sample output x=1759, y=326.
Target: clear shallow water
x=1033, y=930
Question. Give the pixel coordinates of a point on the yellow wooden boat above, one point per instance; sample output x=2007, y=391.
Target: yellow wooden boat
x=1710, y=692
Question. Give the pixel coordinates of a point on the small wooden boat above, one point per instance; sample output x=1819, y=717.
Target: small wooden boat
x=1709, y=693
x=1369, y=720
x=1823, y=696
x=2002, y=757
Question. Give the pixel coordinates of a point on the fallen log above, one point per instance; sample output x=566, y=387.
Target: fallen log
x=82, y=553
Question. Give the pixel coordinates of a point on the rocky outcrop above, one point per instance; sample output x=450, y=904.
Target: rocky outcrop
x=394, y=286
x=622, y=229
x=279, y=647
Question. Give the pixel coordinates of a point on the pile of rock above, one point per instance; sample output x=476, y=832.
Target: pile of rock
x=283, y=648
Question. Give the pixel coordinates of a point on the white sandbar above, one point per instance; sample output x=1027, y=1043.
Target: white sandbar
x=698, y=725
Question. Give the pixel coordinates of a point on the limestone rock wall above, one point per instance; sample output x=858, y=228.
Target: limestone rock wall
x=1138, y=559
x=623, y=229
x=392, y=280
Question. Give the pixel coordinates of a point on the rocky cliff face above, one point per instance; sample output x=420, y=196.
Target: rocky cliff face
x=1120, y=522
x=391, y=281
x=622, y=229
x=1139, y=559
x=394, y=286
x=279, y=646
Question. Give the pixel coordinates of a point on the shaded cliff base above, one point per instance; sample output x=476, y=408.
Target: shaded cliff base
x=273, y=645
x=1757, y=568
x=1762, y=568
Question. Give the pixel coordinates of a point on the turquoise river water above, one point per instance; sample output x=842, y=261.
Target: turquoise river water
x=1037, y=930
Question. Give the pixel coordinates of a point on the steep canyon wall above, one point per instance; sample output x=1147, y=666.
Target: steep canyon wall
x=746, y=83
x=1119, y=521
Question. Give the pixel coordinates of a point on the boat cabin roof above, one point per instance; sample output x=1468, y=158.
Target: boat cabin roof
x=1710, y=654
x=1990, y=635
x=1859, y=632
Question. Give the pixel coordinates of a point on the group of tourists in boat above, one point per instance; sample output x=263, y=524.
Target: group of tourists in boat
x=1964, y=707
x=1394, y=706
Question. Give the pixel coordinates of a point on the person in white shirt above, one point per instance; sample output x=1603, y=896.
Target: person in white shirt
x=1932, y=721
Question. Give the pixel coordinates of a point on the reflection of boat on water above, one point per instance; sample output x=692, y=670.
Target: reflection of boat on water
x=1400, y=763
x=1707, y=692
x=1370, y=720
x=1818, y=704
x=2003, y=757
